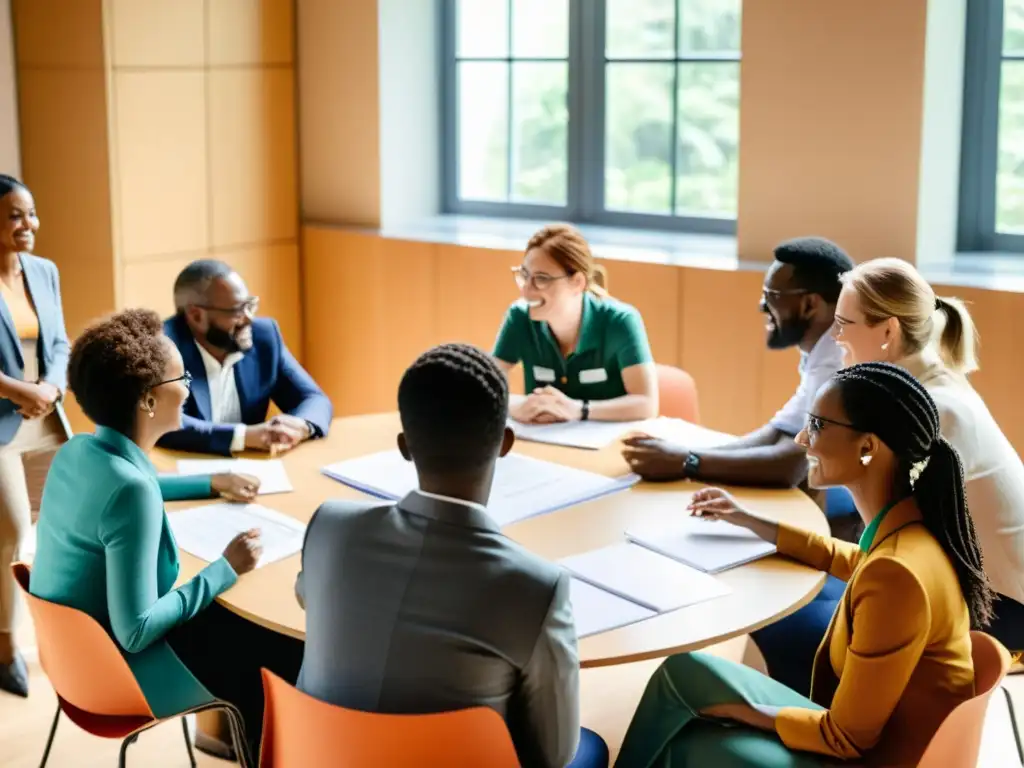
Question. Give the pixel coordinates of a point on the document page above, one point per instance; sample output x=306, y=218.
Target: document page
x=691, y=436
x=596, y=610
x=205, y=531
x=590, y=435
x=271, y=472
x=711, y=546
x=645, y=577
x=523, y=486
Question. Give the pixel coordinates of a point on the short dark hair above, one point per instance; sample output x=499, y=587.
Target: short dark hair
x=114, y=363
x=887, y=401
x=194, y=280
x=454, y=406
x=817, y=265
x=8, y=184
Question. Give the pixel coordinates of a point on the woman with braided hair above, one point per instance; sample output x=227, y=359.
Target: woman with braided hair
x=897, y=656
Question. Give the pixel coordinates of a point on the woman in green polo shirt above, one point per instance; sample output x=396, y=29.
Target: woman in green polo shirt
x=584, y=354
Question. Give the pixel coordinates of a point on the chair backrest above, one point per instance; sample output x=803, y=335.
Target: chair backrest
x=84, y=666
x=677, y=394
x=300, y=731
x=958, y=741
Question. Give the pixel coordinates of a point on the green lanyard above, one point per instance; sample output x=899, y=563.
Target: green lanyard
x=868, y=537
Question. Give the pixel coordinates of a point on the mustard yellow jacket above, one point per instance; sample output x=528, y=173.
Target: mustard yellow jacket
x=896, y=658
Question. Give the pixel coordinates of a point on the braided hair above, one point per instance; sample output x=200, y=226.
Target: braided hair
x=454, y=406
x=889, y=402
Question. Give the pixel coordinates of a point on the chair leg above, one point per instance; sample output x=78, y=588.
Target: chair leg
x=188, y=743
x=49, y=741
x=123, y=757
x=238, y=740
x=1013, y=722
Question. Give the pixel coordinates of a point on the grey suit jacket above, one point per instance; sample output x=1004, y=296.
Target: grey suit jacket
x=43, y=283
x=425, y=606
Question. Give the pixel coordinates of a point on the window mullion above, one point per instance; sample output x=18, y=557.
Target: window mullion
x=591, y=104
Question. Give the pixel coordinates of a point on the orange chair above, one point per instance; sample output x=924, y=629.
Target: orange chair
x=300, y=731
x=958, y=741
x=677, y=394
x=95, y=688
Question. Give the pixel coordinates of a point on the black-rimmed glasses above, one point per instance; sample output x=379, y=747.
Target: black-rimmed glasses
x=775, y=293
x=185, y=378
x=539, y=281
x=248, y=307
x=817, y=423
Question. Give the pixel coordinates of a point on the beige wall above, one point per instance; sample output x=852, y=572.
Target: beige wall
x=10, y=155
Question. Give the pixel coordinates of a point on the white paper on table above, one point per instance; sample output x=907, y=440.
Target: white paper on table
x=636, y=573
x=691, y=436
x=205, y=531
x=711, y=546
x=591, y=435
x=271, y=472
x=523, y=486
x=596, y=610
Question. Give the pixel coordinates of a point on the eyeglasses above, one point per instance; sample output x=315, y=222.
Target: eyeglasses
x=817, y=423
x=774, y=293
x=539, y=281
x=247, y=307
x=185, y=378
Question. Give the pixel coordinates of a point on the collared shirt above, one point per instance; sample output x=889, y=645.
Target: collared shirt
x=452, y=500
x=225, y=407
x=816, y=367
x=612, y=337
x=993, y=471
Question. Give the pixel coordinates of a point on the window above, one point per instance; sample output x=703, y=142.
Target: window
x=992, y=170
x=621, y=112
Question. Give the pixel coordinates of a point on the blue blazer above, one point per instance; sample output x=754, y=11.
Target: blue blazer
x=43, y=283
x=268, y=372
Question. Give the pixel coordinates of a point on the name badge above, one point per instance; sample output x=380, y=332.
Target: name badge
x=593, y=376
x=543, y=374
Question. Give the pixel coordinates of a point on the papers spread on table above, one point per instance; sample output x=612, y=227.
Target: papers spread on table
x=644, y=577
x=271, y=472
x=598, y=611
x=205, y=531
x=709, y=546
x=523, y=487
x=594, y=435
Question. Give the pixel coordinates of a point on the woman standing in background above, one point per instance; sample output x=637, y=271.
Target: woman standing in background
x=33, y=369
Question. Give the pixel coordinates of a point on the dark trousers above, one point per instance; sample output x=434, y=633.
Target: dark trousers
x=592, y=751
x=225, y=653
x=1008, y=625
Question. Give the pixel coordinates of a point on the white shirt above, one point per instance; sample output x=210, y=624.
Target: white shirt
x=225, y=407
x=993, y=472
x=816, y=367
x=453, y=500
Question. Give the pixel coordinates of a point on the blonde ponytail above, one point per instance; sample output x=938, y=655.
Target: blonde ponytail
x=958, y=340
x=598, y=284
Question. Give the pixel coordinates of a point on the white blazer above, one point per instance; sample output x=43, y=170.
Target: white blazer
x=993, y=471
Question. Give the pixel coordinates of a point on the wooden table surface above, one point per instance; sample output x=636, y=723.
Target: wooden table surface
x=763, y=591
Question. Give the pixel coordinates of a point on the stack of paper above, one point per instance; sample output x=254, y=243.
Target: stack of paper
x=594, y=435
x=271, y=472
x=691, y=436
x=643, y=577
x=523, y=487
x=205, y=531
x=598, y=611
x=710, y=546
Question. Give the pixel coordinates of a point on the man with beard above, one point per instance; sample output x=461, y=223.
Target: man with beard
x=238, y=365
x=799, y=296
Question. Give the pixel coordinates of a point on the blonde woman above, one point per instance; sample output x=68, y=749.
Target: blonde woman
x=888, y=312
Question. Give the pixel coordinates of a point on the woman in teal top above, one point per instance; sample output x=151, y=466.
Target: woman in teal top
x=104, y=544
x=584, y=354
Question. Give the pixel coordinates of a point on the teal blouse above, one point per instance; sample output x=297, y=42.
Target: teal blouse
x=105, y=547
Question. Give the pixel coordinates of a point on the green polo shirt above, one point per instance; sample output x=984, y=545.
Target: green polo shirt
x=612, y=337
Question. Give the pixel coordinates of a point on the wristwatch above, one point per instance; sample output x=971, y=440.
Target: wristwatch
x=585, y=410
x=691, y=467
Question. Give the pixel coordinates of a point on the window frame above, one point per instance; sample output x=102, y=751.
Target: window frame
x=585, y=188
x=979, y=154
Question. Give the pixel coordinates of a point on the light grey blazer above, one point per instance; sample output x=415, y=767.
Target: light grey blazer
x=424, y=606
x=43, y=283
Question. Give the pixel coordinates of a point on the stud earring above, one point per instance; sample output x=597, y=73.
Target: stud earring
x=885, y=346
x=151, y=413
x=865, y=460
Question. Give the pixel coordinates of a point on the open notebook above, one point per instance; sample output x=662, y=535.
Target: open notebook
x=710, y=546
x=594, y=435
x=637, y=583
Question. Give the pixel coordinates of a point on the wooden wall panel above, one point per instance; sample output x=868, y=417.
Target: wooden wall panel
x=474, y=289
x=156, y=33
x=58, y=33
x=272, y=273
x=655, y=291
x=150, y=284
x=250, y=31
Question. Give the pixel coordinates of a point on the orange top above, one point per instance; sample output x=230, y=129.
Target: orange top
x=26, y=323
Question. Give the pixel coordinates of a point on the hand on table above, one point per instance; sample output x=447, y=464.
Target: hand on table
x=280, y=434
x=547, y=405
x=716, y=504
x=655, y=459
x=244, y=551
x=235, y=487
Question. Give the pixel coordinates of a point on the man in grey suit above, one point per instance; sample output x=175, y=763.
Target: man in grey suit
x=424, y=606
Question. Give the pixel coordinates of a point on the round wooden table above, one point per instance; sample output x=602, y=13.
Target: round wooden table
x=763, y=591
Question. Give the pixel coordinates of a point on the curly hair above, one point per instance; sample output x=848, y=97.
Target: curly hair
x=114, y=363
x=889, y=402
x=454, y=406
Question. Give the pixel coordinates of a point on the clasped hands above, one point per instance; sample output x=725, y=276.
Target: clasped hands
x=34, y=399
x=277, y=435
x=546, y=405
